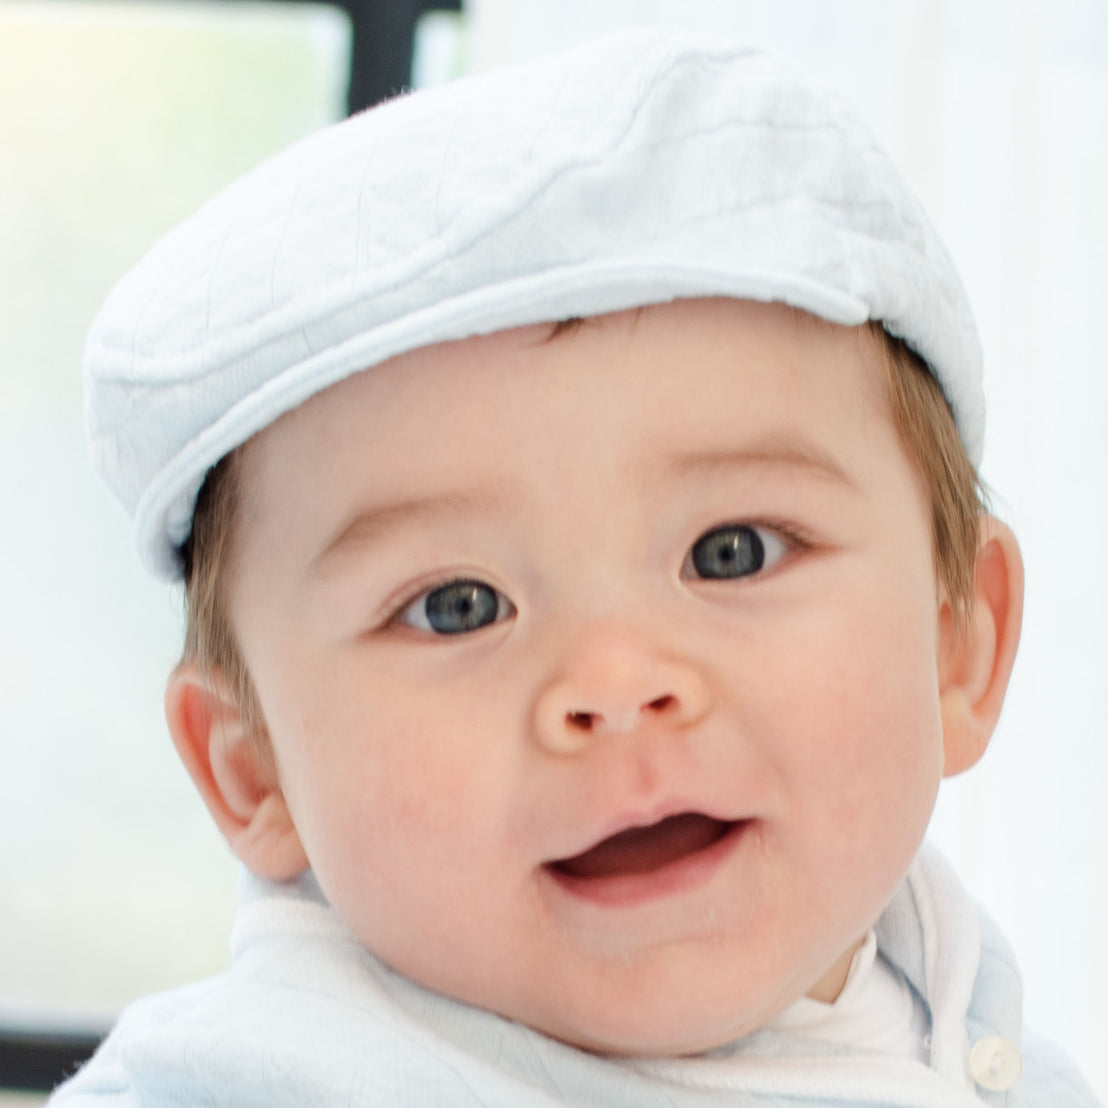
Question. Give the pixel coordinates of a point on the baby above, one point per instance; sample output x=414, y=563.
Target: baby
x=572, y=475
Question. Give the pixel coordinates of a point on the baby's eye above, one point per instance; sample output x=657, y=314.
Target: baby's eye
x=456, y=608
x=736, y=550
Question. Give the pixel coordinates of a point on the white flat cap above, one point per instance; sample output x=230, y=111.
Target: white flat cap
x=636, y=170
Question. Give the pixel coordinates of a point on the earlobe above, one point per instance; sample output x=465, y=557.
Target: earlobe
x=976, y=663
x=234, y=773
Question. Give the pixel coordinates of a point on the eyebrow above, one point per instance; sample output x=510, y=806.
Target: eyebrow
x=778, y=451
x=370, y=524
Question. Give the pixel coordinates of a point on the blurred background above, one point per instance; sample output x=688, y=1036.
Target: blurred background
x=118, y=119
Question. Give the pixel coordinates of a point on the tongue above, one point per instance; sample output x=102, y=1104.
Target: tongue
x=644, y=849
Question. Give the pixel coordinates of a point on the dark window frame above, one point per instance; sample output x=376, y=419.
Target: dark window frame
x=381, y=55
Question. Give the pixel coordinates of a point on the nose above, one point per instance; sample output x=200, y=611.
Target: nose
x=614, y=682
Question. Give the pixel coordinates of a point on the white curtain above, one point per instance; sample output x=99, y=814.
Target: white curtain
x=998, y=113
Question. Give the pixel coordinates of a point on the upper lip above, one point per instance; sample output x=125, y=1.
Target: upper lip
x=629, y=784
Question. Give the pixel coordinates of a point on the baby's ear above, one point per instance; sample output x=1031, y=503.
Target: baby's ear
x=234, y=771
x=976, y=663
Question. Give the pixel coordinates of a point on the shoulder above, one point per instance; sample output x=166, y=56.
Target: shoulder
x=1050, y=1079
x=272, y=1038
x=958, y=960
x=299, y=1002
x=306, y=1016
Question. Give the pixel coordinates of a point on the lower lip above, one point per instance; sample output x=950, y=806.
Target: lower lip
x=631, y=889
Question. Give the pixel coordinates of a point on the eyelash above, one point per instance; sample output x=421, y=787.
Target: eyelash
x=750, y=548
x=424, y=589
x=471, y=598
x=787, y=537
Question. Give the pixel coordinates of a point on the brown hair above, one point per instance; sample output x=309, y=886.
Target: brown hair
x=920, y=413
x=955, y=492
x=205, y=562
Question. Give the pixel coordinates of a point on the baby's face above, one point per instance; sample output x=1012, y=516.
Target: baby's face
x=601, y=672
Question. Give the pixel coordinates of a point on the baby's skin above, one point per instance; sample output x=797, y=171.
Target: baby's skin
x=606, y=678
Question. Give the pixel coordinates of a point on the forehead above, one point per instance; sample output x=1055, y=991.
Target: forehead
x=637, y=384
x=680, y=348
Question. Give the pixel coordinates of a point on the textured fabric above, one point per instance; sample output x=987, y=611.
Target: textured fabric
x=306, y=1017
x=635, y=170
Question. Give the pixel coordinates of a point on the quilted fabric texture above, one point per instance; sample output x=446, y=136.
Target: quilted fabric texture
x=306, y=1016
x=636, y=170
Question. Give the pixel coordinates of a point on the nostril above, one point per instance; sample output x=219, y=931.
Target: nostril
x=589, y=721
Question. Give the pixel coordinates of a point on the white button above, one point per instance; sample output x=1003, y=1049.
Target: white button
x=995, y=1064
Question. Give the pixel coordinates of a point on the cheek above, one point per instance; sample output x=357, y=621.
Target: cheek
x=401, y=804
x=385, y=783
x=860, y=733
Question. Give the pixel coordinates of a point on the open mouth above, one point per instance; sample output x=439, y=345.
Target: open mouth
x=639, y=851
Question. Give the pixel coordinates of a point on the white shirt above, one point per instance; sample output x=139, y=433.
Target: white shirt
x=876, y=1010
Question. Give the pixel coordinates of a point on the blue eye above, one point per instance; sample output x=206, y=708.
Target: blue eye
x=457, y=608
x=737, y=550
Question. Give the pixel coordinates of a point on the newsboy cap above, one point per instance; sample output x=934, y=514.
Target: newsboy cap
x=635, y=170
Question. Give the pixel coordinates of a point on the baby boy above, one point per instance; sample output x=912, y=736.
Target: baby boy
x=571, y=471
